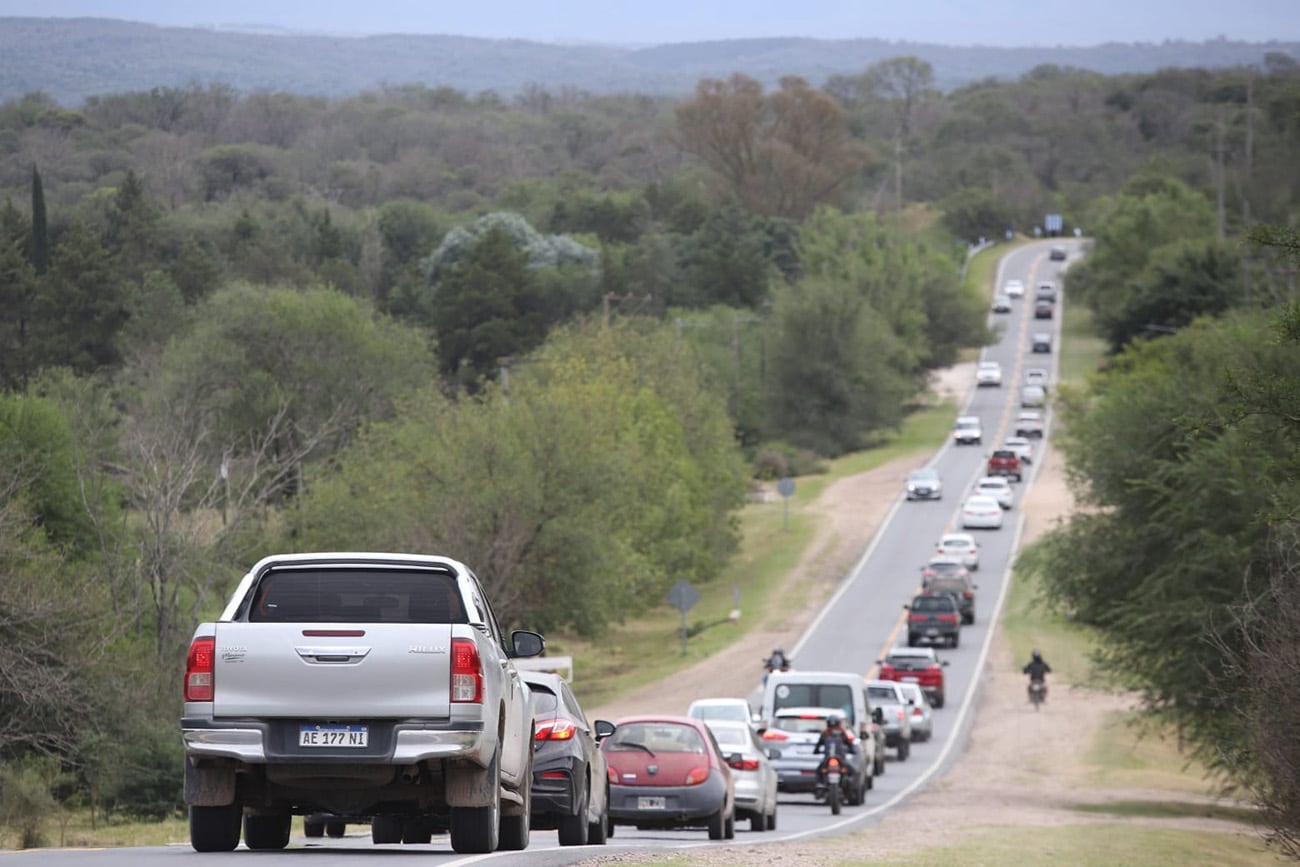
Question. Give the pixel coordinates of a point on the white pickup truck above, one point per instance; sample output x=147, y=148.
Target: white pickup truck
x=358, y=685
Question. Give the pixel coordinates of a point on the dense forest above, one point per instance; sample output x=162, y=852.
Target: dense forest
x=559, y=334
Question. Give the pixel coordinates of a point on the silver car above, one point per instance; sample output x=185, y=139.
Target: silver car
x=922, y=712
x=793, y=735
x=887, y=696
x=962, y=545
x=751, y=770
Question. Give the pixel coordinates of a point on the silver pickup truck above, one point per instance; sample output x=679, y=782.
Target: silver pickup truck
x=362, y=685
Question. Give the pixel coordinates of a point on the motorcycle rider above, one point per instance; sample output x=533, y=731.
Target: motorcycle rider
x=1037, y=669
x=835, y=740
x=778, y=661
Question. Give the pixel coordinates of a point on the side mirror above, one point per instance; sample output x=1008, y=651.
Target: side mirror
x=605, y=728
x=524, y=644
x=907, y=606
x=944, y=663
x=735, y=758
x=878, y=716
x=974, y=587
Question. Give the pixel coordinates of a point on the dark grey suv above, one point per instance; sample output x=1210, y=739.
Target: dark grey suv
x=933, y=618
x=960, y=588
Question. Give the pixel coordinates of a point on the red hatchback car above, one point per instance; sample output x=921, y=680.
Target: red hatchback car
x=668, y=772
x=917, y=665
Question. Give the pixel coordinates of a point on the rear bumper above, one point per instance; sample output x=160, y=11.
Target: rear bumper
x=402, y=742
x=683, y=805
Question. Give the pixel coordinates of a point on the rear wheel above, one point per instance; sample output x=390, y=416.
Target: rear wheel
x=729, y=830
x=904, y=750
x=938, y=700
x=386, y=829
x=476, y=830
x=515, y=826
x=911, y=639
x=717, y=825
x=599, y=830
x=312, y=828
x=215, y=829
x=416, y=831
x=771, y=820
x=574, y=830
x=955, y=639
x=336, y=829
x=267, y=832
x=833, y=796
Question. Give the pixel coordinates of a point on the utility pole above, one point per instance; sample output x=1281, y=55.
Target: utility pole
x=614, y=296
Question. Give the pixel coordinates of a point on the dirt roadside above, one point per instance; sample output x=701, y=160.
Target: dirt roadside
x=1018, y=768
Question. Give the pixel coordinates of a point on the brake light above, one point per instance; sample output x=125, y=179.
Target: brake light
x=555, y=775
x=900, y=713
x=934, y=666
x=613, y=774
x=466, y=672
x=695, y=776
x=774, y=735
x=832, y=763
x=745, y=764
x=968, y=594
x=916, y=618
x=198, y=669
x=555, y=730
x=947, y=618
x=916, y=711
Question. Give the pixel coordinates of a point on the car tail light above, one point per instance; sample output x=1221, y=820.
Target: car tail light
x=555, y=775
x=916, y=711
x=934, y=666
x=900, y=713
x=969, y=595
x=466, y=672
x=198, y=669
x=697, y=775
x=947, y=618
x=613, y=774
x=832, y=763
x=745, y=764
x=555, y=730
x=774, y=735
x=916, y=618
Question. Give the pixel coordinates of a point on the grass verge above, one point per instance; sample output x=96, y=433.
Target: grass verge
x=1094, y=845
x=649, y=648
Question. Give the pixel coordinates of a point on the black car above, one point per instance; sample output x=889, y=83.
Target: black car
x=1043, y=309
x=959, y=587
x=1041, y=342
x=570, y=779
x=1057, y=254
x=933, y=618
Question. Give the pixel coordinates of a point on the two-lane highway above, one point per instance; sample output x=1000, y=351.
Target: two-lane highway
x=864, y=618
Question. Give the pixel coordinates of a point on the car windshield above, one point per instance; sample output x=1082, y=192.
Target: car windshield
x=923, y=475
x=882, y=694
x=659, y=737
x=720, y=711
x=837, y=695
x=803, y=724
x=932, y=604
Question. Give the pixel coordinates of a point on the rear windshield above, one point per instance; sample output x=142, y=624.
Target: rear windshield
x=836, y=695
x=657, y=737
x=882, y=694
x=946, y=584
x=546, y=704
x=732, y=712
x=932, y=603
x=356, y=596
x=800, y=724
x=908, y=663
x=730, y=736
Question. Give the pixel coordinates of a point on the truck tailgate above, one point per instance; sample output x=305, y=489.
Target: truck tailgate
x=297, y=670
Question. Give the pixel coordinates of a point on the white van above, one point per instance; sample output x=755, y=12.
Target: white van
x=838, y=689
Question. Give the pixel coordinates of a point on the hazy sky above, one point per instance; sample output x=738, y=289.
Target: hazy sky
x=950, y=22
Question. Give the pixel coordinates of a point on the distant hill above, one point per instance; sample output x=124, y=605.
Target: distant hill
x=70, y=59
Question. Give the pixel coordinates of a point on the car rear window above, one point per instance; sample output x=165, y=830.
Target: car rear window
x=732, y=712
x=882, y=693
x=800, y=724
x=732, y=737
x=946, y=585
x=356, y=596
x=908, y=663
x=658, y=737
x=927, y=604
x=546, y=704
x=836, y=695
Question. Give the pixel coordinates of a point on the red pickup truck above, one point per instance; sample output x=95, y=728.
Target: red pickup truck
x=1004, y=462
x=917, y=665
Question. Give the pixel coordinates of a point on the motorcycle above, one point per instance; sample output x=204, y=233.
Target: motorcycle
x=1037, y=693
x=833, y=780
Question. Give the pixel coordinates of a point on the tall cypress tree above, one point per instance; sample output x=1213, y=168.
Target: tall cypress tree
x=40, y=229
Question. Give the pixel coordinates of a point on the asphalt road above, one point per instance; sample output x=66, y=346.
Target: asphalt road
x=863, y=619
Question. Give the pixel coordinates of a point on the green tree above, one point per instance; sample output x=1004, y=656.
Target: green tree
x=17, y=293
x=40, y=249
x=1185, y=453
x=80, y=305
x=726, y=262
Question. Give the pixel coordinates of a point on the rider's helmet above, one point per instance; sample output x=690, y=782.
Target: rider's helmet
x=1038, y=657
x=778, y=652
x=834, y=721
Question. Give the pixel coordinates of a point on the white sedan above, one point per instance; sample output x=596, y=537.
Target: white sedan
x=996, y=487
x=981, y=512
x=988, y=373
x=1014, y=289
x=962, y=546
